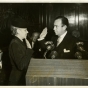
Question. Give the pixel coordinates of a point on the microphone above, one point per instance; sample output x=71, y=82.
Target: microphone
x=1, y=53
x=53, y=54
x=49, y=46
x=78, y=55
x=80, y=46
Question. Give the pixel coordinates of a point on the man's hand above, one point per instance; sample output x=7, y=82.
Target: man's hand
x=43, y=34
x=27, y=43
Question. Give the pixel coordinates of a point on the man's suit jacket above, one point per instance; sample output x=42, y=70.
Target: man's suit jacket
x=67, y=48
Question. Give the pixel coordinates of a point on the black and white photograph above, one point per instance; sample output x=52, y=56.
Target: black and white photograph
x=43, y=44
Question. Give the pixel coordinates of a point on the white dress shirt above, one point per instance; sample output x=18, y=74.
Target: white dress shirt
x=60, y=39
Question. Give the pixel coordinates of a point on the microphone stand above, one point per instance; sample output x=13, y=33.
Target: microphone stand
x=45, y=54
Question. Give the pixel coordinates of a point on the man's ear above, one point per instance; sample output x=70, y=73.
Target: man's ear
x=65, y=26
x=18, y=30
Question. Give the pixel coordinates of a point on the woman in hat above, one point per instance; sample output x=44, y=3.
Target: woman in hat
x=20, y=53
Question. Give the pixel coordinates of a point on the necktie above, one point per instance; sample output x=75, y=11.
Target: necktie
x=58, y=41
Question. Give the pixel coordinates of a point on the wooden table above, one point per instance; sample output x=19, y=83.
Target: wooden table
x=57, y=72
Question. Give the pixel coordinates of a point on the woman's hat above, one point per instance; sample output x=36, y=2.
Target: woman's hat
x=19, y=22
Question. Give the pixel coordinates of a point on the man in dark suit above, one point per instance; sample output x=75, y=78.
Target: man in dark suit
x=20, y=53
x=65, y=43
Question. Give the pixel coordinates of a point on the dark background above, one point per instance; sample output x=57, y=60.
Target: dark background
x=40, y=15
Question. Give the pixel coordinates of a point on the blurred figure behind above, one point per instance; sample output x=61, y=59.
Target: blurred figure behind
x=34, y=38
x=38, y=52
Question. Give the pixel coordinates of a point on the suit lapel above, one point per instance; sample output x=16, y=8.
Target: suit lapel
x=54, y=39
x=64, y=41
x=63, y=44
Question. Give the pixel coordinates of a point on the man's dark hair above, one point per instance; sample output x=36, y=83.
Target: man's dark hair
x=64, y=20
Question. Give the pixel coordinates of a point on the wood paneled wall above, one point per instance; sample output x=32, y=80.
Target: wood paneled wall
x=77, y=14
x=40, y=15
x=32, y=12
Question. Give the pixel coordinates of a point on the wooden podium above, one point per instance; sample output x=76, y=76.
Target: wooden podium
x=43, y=72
